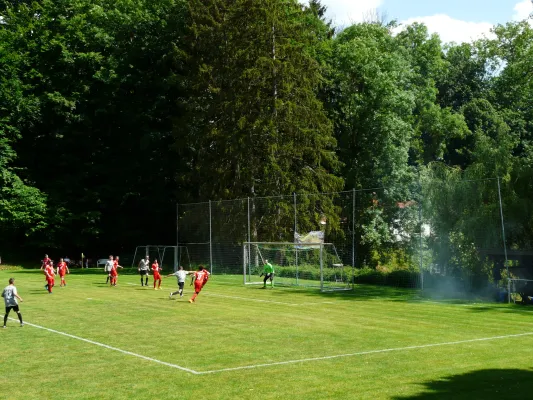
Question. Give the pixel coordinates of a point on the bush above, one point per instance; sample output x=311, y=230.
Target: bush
x=398, y=278
x=307, y=271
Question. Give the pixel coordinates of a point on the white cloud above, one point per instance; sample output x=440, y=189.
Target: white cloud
x=346, y=12
x=523, y=10
x=450, y=29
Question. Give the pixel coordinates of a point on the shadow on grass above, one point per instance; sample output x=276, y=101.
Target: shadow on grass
x=34, y=291
x=484, y=384
x=364, y=292
x=360, y=293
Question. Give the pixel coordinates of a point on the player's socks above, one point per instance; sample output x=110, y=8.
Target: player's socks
x=20, y=319
x=5, y=320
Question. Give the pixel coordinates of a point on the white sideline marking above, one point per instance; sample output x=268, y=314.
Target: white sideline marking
x=111, y=347
x=424, y=346
x=302, y=360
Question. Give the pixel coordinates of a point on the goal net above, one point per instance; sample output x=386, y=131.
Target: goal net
x=307, y=265
x=169, y=257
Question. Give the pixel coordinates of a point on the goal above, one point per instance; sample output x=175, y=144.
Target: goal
x=307, y=265
x=169, y=257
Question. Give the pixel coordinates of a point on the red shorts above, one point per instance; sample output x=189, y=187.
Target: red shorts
x=198, y=285
x=157, y=276
x=61, y=275
x=114, y=274
x=50, y=281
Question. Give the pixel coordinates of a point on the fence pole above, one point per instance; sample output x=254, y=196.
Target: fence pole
x=176, y=253
x=421, y=261
x=244, y=262
x=321, y=268
x=210, y=241
x=249, y=231
x=353, y=238
x=295, y=232
x=504, y=243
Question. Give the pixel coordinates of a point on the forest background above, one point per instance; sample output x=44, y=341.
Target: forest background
x=113, y=112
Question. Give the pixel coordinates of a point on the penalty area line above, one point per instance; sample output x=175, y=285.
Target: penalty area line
x=267, y=301
x=361, y=353
x=154, y=360
x=251, y=300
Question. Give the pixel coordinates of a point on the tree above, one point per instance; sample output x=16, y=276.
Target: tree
x=22, y=206
x=435, y=126
x=104, y=79
x=254, y=125
x=371, y=106
x=465, y=76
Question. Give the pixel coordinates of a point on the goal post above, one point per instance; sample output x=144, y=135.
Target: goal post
x=295, y=264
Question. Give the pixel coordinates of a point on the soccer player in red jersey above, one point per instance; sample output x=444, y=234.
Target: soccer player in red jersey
x=157, y=276
x=62, y=269
x=114, y=272
x=45, y=262
x=50, y=274
x=200, y=279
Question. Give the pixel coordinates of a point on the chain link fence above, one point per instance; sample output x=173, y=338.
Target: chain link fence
x=440, y=234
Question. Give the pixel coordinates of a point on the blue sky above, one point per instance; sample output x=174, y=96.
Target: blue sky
x=453, y=20
x=495, y=11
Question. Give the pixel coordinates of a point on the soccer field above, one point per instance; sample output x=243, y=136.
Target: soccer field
x=92, y=341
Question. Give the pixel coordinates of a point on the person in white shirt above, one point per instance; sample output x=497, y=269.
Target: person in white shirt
x=108, y=267
x=10, y=296
x=144, y=267
x=180, y=274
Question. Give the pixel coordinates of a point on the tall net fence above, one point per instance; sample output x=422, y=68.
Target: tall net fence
x=194, y=232
x=518, y=224
x=463, y=250
x=444, y=234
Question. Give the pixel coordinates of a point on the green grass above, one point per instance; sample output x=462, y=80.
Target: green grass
x=233, y=326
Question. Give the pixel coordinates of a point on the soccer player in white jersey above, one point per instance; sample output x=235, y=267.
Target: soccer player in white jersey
x=108, y=267
x=180, y=274
x=144, y=266
x=10, y=296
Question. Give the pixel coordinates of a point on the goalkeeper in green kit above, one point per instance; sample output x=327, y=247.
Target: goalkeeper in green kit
x=268, y=272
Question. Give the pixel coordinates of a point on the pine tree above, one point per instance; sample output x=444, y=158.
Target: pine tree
x=254, y=125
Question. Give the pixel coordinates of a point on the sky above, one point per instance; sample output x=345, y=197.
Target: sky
x=454, y=20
